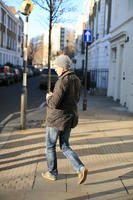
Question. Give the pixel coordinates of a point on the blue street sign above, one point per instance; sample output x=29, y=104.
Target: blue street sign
x=87, y=35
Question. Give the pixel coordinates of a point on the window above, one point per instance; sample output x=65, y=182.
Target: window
x=130, y=4
x=3, y=58
x=0, y=58
x=114, y=54
x=107, y=18
x=7, y=58
x=99, y=5
x=3, y=16
x=3, y=22
x=62, y=30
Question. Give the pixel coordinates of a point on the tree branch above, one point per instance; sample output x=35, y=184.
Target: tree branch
x=41, y=5
x=48, y=3
x=57, y=9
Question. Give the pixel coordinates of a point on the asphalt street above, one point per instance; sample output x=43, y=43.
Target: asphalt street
x=10, y=97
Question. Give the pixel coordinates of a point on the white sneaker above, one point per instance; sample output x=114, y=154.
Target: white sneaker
x=82, y=175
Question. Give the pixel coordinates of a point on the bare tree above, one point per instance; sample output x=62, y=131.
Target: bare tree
x=55, y=9
x=69, y=50
x=38, y=54
x=31, y=52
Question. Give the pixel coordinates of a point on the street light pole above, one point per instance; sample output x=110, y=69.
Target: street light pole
x=85, y=81
x=27, y=7
x=24, y=89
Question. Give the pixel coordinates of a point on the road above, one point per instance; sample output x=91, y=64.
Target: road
x=10, y=97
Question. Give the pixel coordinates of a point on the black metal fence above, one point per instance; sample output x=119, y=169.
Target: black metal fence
x=100, y=77
x=97, y=79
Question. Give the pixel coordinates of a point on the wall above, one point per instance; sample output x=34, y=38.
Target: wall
x=121, y=68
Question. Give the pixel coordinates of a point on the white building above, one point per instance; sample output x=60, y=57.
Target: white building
x=69, y=38
x=121, y=64
x=79, y=60
x=11, y=36
x=99, y=50
x=58, y=38
x=61, y=38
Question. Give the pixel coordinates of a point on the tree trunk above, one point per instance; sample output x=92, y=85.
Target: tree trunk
x=49, y=50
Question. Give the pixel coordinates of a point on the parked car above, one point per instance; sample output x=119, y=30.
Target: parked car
x=17, y=75
x=3, y=77
x=36, y=71
x=44, y=78
x=6, y=75
x=21, y=72
x=10, y=75
x=30, y=72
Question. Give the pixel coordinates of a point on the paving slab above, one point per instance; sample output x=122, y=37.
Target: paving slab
x=103, y=140
x=12, y=195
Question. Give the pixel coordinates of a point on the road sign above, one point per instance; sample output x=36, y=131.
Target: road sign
x=87, y=35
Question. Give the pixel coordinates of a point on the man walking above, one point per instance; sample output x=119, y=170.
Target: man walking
x=61, y=117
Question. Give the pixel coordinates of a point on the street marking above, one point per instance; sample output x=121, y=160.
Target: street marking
x=11, y=115
x=42, y=105
x=6, y=119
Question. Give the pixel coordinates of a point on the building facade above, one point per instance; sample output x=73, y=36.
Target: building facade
x=79, y=55
x=36, y=51
x=62, y=37
x=99, y=50
x=120, y=85
x=11, y=36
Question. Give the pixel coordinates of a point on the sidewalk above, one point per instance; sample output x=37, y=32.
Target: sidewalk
x=104, y=141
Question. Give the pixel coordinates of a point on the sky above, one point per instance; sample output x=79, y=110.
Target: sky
x=38, y=22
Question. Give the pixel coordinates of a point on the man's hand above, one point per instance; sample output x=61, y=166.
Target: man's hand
x=48, y=95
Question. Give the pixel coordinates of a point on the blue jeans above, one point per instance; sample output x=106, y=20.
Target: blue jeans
x=52, y=135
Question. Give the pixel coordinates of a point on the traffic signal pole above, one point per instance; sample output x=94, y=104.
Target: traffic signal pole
x=26, y=9
x=24, y=87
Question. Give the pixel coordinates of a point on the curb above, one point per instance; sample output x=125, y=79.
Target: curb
x=15, y=116
x=12, y=122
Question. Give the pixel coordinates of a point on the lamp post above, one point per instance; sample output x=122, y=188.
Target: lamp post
x=26, y=9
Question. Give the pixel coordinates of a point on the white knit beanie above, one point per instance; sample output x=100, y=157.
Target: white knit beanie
x=63, y=61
